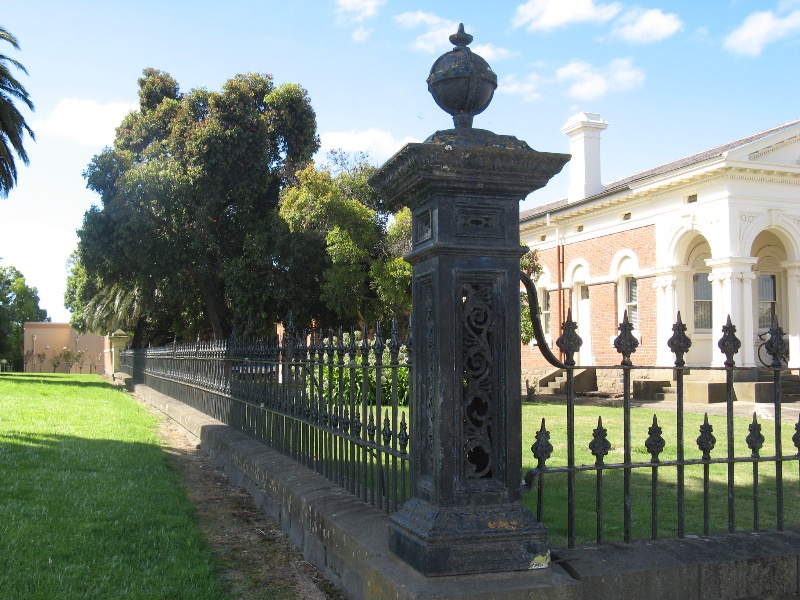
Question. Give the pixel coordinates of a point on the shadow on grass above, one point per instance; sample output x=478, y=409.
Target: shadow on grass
x=60, y=379
x=86, y=518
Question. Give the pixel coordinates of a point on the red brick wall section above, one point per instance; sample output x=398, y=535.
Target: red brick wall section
x=598, y=253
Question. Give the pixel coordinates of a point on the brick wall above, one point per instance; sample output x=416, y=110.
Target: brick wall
x=603, y=297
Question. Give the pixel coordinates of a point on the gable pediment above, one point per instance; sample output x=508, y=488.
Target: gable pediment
x=784, y=152
x=781, y=149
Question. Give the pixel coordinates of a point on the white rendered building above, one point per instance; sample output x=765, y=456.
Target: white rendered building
x=709, y=235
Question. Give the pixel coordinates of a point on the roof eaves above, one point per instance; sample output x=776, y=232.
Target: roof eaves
x=641, y=178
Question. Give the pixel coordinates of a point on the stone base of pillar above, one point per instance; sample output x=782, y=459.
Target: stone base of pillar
x=468, y=539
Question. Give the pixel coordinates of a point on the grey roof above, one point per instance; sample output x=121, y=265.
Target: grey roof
x=681, y=163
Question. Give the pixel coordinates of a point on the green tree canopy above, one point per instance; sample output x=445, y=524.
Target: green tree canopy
x=188, y=198
x=19, y=304
x=12, y=124
x=365, y=277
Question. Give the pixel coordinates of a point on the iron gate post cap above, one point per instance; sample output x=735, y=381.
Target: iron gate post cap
x=461, y=82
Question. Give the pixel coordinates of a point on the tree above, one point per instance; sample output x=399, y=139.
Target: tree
x=188, y=190
x=56, y=360
x=365, y=277
x=12, y=123
x=18, y=305
x=531, y=265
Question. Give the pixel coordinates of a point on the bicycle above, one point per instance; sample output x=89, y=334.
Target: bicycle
x=764, y=357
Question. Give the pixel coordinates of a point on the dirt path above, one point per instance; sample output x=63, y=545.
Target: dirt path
x=255, y=557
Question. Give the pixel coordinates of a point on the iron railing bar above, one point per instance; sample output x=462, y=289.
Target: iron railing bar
x=731, y=451
x=680, y=456
x=671, y=463
x=654, y=502
x=626, y=425
x=378, y=361
x=777, y=390
x=571, y=535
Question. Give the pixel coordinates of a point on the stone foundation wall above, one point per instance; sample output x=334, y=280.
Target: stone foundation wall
x=348, y=541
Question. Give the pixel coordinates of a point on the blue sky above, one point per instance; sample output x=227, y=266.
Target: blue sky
x=671, y=78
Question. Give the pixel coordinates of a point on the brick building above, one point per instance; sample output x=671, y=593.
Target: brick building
x=709, y=235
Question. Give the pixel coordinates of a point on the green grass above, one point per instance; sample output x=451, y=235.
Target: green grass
x=555, y=492
x=89, y=505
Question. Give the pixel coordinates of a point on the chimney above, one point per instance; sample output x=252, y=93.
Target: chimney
x=584, y=130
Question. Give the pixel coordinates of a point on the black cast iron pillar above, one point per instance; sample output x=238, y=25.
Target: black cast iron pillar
x=463, y=186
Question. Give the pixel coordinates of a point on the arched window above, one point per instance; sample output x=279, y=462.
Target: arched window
x=630, y=293
x=702, y=302
x=767, y=300
x=544, y=310
x=626, y=264
x=769, y=281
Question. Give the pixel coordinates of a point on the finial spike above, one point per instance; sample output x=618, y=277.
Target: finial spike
x=460, y=39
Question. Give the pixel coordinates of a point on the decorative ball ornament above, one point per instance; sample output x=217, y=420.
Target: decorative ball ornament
x=461, y=82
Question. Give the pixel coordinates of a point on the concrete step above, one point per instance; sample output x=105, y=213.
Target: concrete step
x=550, y=392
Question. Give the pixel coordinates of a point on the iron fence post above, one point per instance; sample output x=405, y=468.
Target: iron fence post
x=463, y=186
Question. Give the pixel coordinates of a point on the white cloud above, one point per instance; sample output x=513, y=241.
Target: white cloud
x=544, y=15
x=526, y=88
x=84, y=121
x=760, y=29
x=491, y=52
x=358, y=10
x=642, y=26
x=379, y=143
x=438, y=30
x=589, y=82
x=361, y=34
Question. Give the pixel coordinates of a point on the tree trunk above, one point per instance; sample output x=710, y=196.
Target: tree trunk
x=213, y=295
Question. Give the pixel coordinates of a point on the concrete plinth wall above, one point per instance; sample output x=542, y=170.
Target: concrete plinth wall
x=348, y=541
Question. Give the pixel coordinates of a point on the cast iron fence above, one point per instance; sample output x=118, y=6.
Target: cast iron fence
x=337, y=404
x=334, y=402
x=705, y=492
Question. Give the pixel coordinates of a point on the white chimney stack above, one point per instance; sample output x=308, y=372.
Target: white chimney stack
x=584, y=130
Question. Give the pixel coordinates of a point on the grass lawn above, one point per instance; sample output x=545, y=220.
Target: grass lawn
x=555, y=492
x=89, y=504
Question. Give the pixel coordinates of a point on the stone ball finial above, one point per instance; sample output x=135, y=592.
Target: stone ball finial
x=461, y=82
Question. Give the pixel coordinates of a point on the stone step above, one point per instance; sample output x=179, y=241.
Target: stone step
x=549, y=391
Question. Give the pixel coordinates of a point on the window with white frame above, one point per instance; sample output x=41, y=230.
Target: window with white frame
x=544, y=310
x=766, y=301
x=631, y=297
x=702, y=302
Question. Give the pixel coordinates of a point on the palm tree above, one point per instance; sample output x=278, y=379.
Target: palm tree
x=12, y=123
x=113, y=307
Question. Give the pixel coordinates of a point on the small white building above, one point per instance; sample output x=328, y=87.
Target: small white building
x=709, y=235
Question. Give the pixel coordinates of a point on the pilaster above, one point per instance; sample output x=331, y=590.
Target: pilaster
x=732, y=294
x=792, y=326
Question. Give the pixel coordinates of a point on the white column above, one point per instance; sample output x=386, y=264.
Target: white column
x=728, y=277
x=666, y=285
x=792, y=326
x=720, y=307
x=747, y=330
x=660, y=285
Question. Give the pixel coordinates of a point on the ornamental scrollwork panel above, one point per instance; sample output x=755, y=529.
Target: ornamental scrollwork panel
x=481, y=365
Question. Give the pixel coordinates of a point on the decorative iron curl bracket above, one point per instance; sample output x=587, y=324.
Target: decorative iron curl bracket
x=538, y=332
